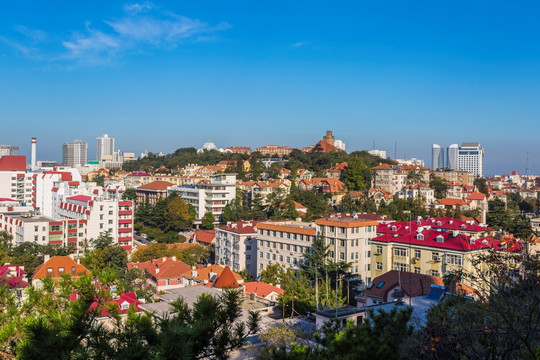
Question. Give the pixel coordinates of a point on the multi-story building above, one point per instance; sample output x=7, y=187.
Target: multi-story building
x=460, y=177
x=393, y=178
x=75, y=154
x=8, y=150
x=433, y=246
x=379, y=153
x=15, y=182
x=152, y=192
x=236, y=246
x=239, y=150
x=283, y=243
x=471, y=158
x=413, y=191
x=270, y=150
x=437, y=157
x=111, y=216
x=210, y=196
x=452, y=153
x=286, y=242
x=104, y=146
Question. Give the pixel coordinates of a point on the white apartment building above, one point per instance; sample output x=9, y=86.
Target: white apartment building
x=208, y=196
x=236, y=246
x=114, y=217
x=412, y=191
x=43, y=230
x=471, y=158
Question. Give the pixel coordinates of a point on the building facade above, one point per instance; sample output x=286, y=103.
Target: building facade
x=75, y=153
x=471, y=158
x=236, y=246
x=104, y=146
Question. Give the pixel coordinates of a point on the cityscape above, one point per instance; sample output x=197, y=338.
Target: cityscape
x=294, y=181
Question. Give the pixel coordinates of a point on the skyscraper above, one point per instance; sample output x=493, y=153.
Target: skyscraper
x=437, y=157
x=471, y=158
x=104, y=146
x=452, y=156
x=74, y=154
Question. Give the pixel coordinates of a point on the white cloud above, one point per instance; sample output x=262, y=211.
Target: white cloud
x=137, y=8
x=15, y=45
x=299, y=43
x=34, y=34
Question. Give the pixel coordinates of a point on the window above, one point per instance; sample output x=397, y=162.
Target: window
x=342, y=255
x=332, y=242
x=417, y=253
x=401, y=267
x=454, y=259
x=281, y=246
x=341, y=242
x=379, y=266
x=281, y=258
x=368, y=253
x=380, y=284
x=379, y=250
x=332, y=229
x=435, y=256
x=294, y=247
x=288, y=247
x=110, y=221
x=368, y=267
x=288, y=259
x=267, y=256
x=274, y=245
x=417, y=270
x=248, y=247
x=110, y=212
x=400, y=251
x=281, y=234
x=357, y=255
x=61, y=270
x=273, y=256
x=101, y=217
x=342, y=230
x=434, y=273
x=36, y=228
x=101, y=226
x=49, y=270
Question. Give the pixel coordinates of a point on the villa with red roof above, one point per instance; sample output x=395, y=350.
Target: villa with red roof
x=163, y=273
x=262, y=291
x=57, y=266
x=203, y=237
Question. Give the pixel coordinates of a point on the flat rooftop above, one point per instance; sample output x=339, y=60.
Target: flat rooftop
x=35, y=218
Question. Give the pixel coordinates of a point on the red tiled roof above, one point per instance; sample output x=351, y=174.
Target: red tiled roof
x=162, y=268
x=156, y=185
x=451, y=202
x=262, y=289
x=55, y=263
x=242, y=227
x=204, y=236
x=476, y=196
x=13, y=163
x=226, y=280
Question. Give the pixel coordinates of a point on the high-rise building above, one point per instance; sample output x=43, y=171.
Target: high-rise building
x=75, y=153
x=471, y=158
x=104, y=146
x=437, y=157
x=452, y=156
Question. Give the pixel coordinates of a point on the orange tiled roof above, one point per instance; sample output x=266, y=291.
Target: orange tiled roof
x=156, y=185
x=451, y=202
x=204, y=236
x=261, y=288
x=204, y=273
x=162, y=268
x=55, y=263
x=285, y=227
x=476, y=196
x=226, y=280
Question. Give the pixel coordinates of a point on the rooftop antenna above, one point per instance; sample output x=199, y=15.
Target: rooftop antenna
x=527, y=168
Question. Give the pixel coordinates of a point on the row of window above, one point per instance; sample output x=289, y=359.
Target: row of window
x=287, y=235
x=404, y=252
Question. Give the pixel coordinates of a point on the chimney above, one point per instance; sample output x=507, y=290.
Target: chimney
x=163, y=259
x=33, y=164
x=46, y=258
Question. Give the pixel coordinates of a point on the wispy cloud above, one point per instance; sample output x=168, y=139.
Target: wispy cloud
x=299, y=43
x=142, y=27
x=137, y=8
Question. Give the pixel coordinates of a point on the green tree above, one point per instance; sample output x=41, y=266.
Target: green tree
x=130, y=194
x=208, y=221
x=316, y=264
x=104, y=255
x=356, y=177
x=272, y=274
x=481, y=185
x=176, y=215
x=439, y=185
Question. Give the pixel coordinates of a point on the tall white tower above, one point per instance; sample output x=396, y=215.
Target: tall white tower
x=471, y=158
x=437, y=157
x=452, y=156
x=104, y=146
x=33, y=163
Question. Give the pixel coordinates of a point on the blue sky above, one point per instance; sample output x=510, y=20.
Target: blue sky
x=164, y=75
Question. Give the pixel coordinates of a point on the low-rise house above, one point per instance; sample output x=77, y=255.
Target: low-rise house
x=379, y=195
x=123, y=303
x=413, y=191
x=163, y=273
x=203, y=237
x=450, y=203
x=152, y=192
x=337, y=171
x=55, y=267
x=207, y=275
x=262, y=291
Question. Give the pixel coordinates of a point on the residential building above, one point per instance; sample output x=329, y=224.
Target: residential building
x=393, y=178
x=428, y=249
x=236, y=246
x=56, y=266
x=270, y=150
x=8, y=150
x=460, y=177
x=283, y=243
x=152, y=192
x=75, y=154
x=349, y=238
x=337, y=171
x=203, y=237
x=104, y=147
x=163, y=273
x=262, y=291
x=210, y=275
x=413, y=191
x=210, y=196
x=328, y=144
x=101, y=216
x=471, y=158
x=15, y=182
x=379, y=153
